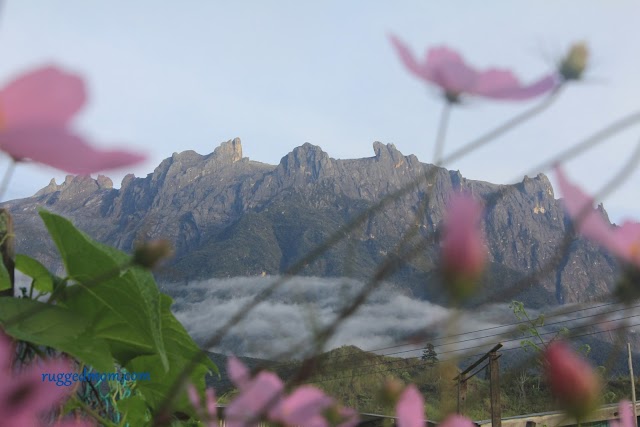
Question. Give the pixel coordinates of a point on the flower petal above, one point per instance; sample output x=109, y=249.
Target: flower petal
x=261, y=394
x=464, y=253
x=589, y=221
x=212, y=407
x=62, y=149
x=194, y=398
x=305, y=403
x=26, y=396
x=46, y=95
x=238, y=373
x=572, y=381
x=410, y=408
x=625, y=412
x=500, y=84
x=447, y=69
x=409, y=60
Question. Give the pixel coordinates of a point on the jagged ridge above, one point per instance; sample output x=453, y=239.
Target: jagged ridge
x=230, y=216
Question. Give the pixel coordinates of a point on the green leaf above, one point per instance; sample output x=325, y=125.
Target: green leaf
x=135, y=410
x=5, y=280
x=121, y=303
x=42, y=278
x=181, y=349
x=55, y=327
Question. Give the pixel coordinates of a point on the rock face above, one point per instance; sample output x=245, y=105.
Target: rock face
x=228, y=215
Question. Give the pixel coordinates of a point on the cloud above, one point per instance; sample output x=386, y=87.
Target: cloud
x=303, y=305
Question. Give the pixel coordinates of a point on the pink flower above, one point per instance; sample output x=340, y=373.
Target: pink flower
x=303, y=407
x=210, y=412
x=35, y=112
x=446, y=69
x=255, y=399
x=572, y=381
x=626, y=415
x=623, y=241
x=25, y=397
x=238, y=373
x=464, y=253
x=410, y=408
x=262, y=397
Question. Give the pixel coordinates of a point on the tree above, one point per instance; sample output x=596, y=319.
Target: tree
x=430, y=355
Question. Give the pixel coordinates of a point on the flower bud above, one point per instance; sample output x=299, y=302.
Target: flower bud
x=464, y=253
x=572, y=381
x=410, y=408
x=147, y=255
x=573, y=65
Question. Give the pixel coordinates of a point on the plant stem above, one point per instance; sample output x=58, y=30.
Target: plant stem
x=7, y=178
x=442, y=133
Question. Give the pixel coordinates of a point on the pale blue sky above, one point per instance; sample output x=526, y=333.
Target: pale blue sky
x=167, y=76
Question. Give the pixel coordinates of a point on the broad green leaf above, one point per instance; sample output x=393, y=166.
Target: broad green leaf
x=135, y=409
x=42, y=278
x=124, y=304
x=124, y=341
x=5, y=280
x=56, y=327
x=181, y=349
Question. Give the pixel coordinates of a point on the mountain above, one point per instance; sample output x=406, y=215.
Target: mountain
x=231, y=216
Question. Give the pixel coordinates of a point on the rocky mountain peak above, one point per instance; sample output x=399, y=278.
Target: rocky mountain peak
x=230, y=216
x=74, y=185
x=388, y=151
x=307, y=162
x=229, y=151
x=538, y=188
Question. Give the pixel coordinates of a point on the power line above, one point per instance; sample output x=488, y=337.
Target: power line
x=453, y=358
x=331, y=358
x=407, y=342
x=378, y=363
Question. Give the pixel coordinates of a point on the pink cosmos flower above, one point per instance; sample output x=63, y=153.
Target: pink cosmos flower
x=35, y=112
x=410, y=411
x=25, y=397
x=446, y=68
x=256, y=397
x=263, y=397
x=625, y=411
x=303, y=407
x=623, y=241
x=210, y=412
x=463, y=245
x=410, y=408
x=572, y=381
x=238, y=373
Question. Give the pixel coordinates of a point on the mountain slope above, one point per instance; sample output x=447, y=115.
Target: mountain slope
x=228, y=216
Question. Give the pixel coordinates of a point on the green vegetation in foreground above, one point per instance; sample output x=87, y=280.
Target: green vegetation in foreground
x=355, y=378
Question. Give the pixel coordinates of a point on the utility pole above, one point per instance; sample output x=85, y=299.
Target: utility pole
x=464, y=376
x=633, y=387
x=462, y=392
x=494, y=372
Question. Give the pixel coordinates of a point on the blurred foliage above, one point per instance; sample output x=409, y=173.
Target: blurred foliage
x=108, y=314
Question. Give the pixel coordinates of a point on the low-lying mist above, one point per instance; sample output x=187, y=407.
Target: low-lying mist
x=302, y=305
